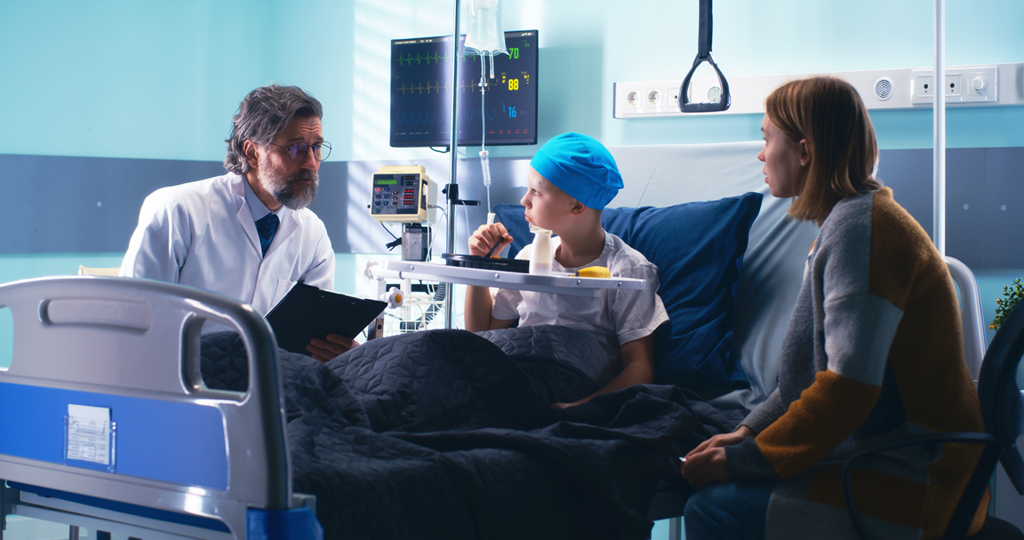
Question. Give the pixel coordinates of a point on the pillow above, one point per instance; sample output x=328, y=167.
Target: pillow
x=698, y=248
x=513, y=216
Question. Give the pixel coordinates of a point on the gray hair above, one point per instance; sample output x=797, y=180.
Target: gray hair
x=262, y=115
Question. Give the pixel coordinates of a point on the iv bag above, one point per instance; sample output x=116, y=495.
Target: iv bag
x=486, y=34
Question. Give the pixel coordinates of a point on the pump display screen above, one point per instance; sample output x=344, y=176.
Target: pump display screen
x=421, y=98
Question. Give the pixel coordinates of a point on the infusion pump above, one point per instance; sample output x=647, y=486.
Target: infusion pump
x=400, y=194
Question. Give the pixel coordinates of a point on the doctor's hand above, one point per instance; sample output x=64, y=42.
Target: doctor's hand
x=489, y=236
x=324, y=350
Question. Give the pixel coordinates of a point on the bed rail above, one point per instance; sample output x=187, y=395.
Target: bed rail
x=106, y=380
x=970, y=315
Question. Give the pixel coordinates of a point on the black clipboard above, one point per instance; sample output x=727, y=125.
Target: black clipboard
x=307, y=312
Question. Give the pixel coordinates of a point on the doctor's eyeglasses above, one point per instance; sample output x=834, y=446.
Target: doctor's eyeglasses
x=297, y=151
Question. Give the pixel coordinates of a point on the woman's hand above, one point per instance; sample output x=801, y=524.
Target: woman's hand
x=722, y=439
x=486, y=236
x=707, y=464
x=708, y=467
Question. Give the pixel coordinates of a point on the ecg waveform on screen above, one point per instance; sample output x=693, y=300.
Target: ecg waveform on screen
x=438, y=87
x=421, y=59
x=422, y=117
x=421, y=92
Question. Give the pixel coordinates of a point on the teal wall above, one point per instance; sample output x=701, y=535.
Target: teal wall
x=127, y=78
x=160, y=79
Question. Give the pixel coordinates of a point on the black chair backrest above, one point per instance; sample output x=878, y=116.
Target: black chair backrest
x=1001, y=405
x=1001, y=409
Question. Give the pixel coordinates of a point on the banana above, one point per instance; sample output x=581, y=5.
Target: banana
x=594, y=271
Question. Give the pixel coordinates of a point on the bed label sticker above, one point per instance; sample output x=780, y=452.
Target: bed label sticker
x=88, y=434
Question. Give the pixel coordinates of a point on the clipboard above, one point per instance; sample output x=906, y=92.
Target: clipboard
x=307, y=312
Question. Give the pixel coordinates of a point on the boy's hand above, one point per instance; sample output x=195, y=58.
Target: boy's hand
x=486, y=237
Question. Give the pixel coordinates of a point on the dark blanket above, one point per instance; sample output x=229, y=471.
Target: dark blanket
x=440, y=434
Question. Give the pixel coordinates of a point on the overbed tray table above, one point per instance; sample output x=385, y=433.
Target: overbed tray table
x=551, y=283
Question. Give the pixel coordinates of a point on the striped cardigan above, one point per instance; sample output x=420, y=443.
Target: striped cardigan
x=873, y=352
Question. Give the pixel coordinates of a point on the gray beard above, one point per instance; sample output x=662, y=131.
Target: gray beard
x=289, y=192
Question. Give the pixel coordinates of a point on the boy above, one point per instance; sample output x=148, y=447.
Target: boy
x=570, y=181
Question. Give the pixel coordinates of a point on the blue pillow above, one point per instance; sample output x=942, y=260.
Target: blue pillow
x=513, y=216
x=698, y=248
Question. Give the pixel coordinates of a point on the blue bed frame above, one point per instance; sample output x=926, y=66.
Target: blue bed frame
x=181, y=460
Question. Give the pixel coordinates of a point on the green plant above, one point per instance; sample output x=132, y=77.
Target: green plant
x=1011, y=295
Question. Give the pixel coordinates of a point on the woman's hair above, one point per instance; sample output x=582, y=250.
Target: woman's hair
x=263, y=114
x=829, y=113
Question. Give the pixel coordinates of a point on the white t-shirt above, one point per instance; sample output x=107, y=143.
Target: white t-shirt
x=614, y=317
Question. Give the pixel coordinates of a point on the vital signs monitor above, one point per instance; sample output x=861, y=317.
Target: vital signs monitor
x=421, y=98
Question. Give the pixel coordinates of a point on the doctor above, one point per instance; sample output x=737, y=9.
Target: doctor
x=247, y=234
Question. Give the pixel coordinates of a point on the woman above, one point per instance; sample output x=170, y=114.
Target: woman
x=873, y=351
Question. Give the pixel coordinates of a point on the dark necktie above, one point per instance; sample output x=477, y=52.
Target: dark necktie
x=267, y=226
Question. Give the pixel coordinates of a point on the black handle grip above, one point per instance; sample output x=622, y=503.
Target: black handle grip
x=704, y=55
x=700, y=107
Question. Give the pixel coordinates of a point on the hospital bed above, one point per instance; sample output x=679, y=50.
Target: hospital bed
x=108, y=424
x=136, y=444
x=239, y=481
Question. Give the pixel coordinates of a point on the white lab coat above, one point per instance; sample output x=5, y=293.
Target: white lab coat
x=203, y=234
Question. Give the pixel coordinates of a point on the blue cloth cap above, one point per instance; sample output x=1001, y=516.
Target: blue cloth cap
x=580, y=166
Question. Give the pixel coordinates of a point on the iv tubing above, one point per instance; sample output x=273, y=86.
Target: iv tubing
x=485, y=163
x=483, y=90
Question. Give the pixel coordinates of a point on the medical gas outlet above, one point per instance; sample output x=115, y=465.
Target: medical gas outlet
x=982, y=85
x=978, y=84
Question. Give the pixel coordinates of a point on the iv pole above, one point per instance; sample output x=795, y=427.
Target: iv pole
x=452, y=189
x=939, y=128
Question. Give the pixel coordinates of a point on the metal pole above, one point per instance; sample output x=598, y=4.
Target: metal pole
x=939, y=127
x=449, y=293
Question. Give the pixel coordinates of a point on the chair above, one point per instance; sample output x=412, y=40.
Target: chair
x=1002, y=411
x=669, y=501
x=86, y=271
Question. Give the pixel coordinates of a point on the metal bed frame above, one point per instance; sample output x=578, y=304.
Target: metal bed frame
x=170, y=458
